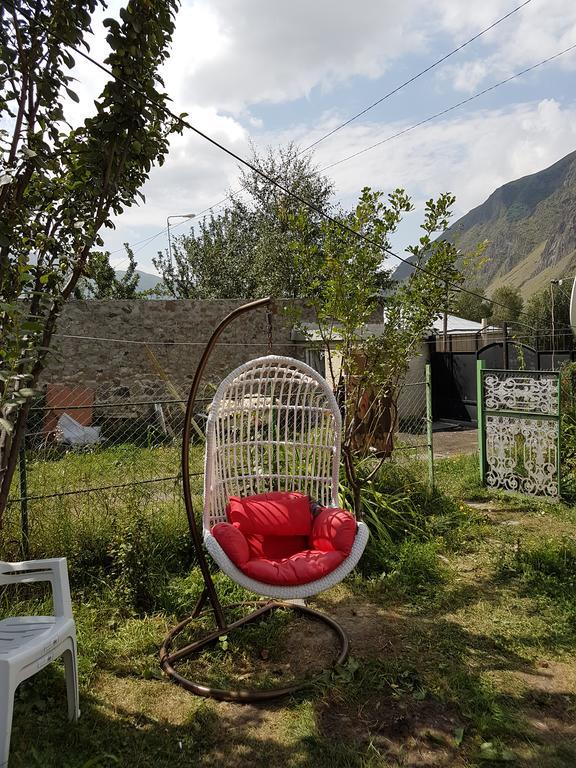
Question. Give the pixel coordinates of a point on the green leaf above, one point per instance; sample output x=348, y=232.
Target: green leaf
x=28, y=392
x=72, y=95
x=458, y=736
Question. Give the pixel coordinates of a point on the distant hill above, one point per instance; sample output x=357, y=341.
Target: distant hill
x=146, y=282
x=530, y=227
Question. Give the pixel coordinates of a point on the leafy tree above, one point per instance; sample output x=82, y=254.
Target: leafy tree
x=508, y=307
x=214, y=261
x=538, y=314
x=470, y=307
x=100, y=281
x=59, y=186
x=247, y=250
x=346, y=282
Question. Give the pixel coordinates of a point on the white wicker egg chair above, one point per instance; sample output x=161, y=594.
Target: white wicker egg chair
x=274, y=425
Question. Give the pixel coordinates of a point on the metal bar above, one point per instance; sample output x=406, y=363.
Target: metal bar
x=119, y=404
x=24, y=522
x=429, y=430
x=505, y=346
x=414, y=383
x=481, y=420
x=187, y=434
x=247, y=695
x=521, y=414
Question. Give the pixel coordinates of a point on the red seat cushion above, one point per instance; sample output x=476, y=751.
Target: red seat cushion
x=300, y=568
x=273, y=538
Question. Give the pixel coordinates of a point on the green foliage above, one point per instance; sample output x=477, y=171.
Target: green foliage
x=471, y=307
x=538, y=314
x=100, y=281
x=547, y=567
x=568, y=431
x=347, y=283
x=509, y=306
x=59, y=186
x=247, y=250
x=408, y=524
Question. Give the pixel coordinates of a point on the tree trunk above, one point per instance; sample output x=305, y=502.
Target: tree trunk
x=9, y=449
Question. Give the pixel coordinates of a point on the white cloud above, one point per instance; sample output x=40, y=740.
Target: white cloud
x=470, y=155
x=260, y=51
x=539, y=30
x=230, y=55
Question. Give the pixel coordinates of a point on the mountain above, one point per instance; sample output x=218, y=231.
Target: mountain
x=530, y=229
x=146, y=281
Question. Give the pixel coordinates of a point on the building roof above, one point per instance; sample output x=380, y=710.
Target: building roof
x=456, y=326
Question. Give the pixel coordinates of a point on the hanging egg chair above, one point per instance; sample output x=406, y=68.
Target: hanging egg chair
x=271, y=520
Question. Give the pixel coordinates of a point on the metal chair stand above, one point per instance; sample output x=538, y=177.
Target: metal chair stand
x=168, y=658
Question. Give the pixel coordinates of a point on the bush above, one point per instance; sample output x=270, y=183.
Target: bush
x=408, y=524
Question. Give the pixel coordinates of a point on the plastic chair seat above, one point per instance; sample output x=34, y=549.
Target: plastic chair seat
x=21, y=634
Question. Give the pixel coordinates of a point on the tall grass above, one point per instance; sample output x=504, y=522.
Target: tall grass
x=409, y=525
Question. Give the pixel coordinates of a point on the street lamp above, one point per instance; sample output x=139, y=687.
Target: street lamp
x=175, y=216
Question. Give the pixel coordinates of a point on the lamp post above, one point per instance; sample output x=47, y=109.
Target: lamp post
x=175, y=216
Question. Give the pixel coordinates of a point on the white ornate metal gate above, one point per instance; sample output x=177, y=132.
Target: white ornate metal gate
x=519, y=430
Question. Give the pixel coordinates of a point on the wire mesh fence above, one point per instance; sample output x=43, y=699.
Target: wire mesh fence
x=95, y=454
x=92, y=455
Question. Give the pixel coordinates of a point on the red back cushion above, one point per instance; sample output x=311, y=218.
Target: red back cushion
x=279, y=513
x=333, y=529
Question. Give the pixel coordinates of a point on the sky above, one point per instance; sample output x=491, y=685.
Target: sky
x=262, y=73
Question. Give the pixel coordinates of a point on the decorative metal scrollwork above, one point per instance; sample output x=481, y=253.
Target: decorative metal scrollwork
x=522, y=393
x=521, y=431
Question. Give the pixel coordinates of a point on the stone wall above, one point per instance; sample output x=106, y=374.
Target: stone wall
x=139, y=348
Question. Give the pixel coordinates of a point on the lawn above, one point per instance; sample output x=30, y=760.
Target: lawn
x=462, y=620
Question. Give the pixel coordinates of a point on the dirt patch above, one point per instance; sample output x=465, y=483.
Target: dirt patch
x=419, y=734
x=455, y=443
x=371, y=629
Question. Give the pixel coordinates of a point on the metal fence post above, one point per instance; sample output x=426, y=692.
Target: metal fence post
x=480, y=364
x=24, y=522
x=429, y=431
x=559, y=436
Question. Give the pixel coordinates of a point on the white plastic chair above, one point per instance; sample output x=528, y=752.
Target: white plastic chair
x=30, y=643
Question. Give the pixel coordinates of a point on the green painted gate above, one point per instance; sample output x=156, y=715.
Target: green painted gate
x=519, y=430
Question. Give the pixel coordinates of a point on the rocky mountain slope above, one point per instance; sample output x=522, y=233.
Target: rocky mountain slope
x=530, y=228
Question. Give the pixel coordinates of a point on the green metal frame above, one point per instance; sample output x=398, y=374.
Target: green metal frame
x=480, y=366
x=429, y=431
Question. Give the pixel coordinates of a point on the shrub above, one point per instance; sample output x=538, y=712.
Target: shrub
x=407, y=523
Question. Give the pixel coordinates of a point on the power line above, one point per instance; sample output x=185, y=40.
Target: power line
x=340, y=224
x=376, y=103
x=415, y=77
x=449, y=109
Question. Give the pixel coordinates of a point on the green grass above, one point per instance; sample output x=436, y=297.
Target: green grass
x=452, y=616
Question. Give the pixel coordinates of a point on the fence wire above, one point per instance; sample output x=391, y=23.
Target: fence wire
x=95, y=454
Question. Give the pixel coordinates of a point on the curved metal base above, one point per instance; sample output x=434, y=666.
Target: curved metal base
x=167, y=659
